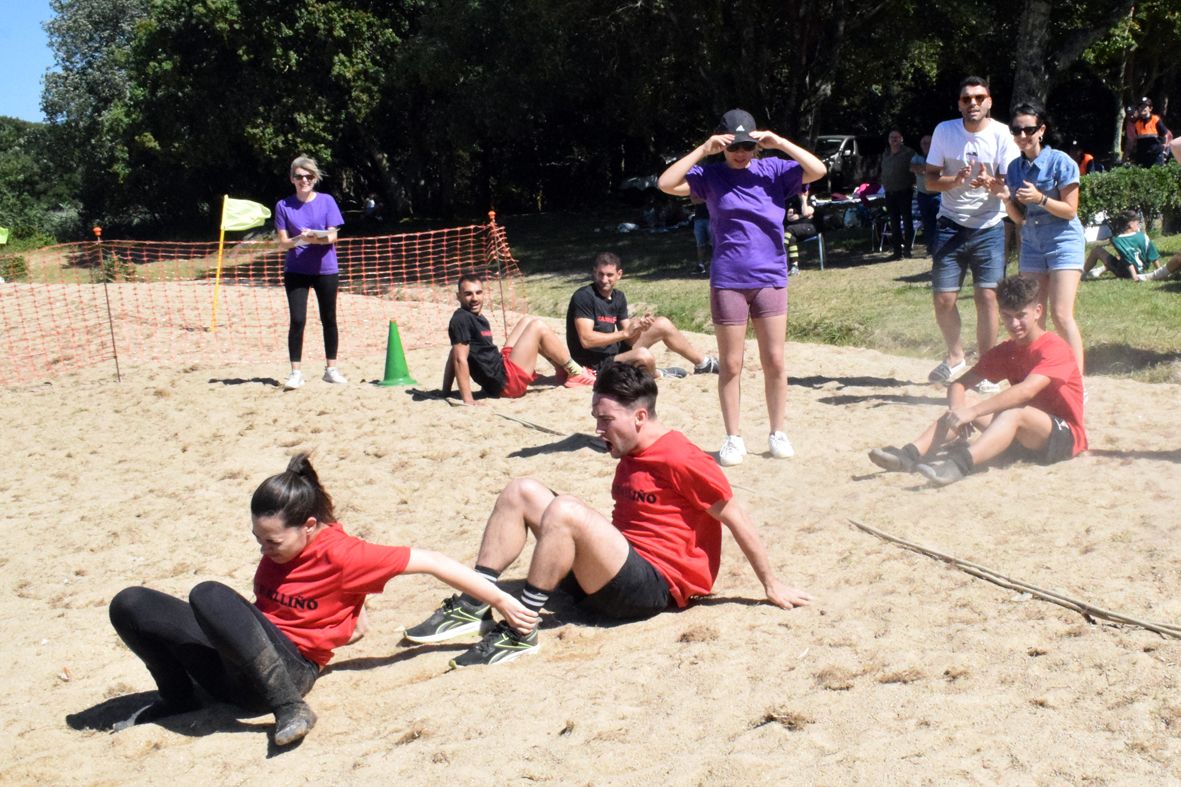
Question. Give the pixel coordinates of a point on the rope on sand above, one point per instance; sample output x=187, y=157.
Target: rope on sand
x=1088, y=611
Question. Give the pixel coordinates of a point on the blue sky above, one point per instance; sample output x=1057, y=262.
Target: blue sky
x=24, y=58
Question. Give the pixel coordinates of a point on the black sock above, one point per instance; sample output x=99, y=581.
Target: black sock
x=489, y=574
x=534, y=598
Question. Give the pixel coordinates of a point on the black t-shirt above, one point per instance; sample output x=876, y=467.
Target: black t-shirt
x=587, y=304
x=483, y=357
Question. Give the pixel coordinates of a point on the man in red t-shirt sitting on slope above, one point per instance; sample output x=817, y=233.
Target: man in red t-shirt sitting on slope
x=661, y=547
x=1042, y=409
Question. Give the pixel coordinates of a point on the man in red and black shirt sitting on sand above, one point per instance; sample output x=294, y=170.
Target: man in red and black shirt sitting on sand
x=660, y=548
x=1041, y=410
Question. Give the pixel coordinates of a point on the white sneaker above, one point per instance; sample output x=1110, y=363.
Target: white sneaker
x=333, y=375
x=987, y=387
x=732, y=452
x=294, y=380
x=781, y=447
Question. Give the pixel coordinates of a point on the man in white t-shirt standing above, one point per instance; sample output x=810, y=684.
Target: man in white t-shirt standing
x=966, y=155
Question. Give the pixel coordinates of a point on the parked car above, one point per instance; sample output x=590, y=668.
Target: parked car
x=851, y=159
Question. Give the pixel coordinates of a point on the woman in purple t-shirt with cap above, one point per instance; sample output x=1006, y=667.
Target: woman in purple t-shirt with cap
x=747, y=197
x=307, y=222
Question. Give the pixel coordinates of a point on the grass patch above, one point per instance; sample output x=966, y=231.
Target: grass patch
x=1129, y=328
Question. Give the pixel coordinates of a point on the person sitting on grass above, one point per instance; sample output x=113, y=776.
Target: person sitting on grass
x=310, y=588
x=599, y=330
x=661, y=546
x=506, y=372
x=1042, y=410
x=1135, y=252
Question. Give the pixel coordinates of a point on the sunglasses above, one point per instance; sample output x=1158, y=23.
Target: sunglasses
x=974, y=99
x=310, y=178
x=1027, y=131
x=747, y=146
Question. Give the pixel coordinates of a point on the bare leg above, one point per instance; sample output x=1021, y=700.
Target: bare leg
x=771, y=334
x=988, y=319
x=1097, y=255
x=662, y=330
x=947, y=316
x=731, y=347
x=1027, y=425
x=638, y=356
x=532, y=336
x=1063, y=285
x=518, y=509
x=573, y=536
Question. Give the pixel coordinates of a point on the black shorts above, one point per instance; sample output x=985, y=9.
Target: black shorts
x=638, y=591
x=1060, y=446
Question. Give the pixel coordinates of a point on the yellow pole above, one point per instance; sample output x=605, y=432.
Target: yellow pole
x=221, y=239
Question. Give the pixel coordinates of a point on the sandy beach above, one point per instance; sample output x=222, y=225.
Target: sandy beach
x=905, y=670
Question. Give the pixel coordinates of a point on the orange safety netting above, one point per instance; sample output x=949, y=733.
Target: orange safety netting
x=81, y=304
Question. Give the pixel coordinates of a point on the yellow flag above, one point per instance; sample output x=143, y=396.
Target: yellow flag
x=242, y=214
x=3, y=235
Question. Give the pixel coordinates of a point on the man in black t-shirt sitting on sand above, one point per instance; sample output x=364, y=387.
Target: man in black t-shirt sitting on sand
x=501, y=373
x=598, y=328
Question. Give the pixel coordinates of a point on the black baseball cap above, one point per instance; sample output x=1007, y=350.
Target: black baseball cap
x=740, y=123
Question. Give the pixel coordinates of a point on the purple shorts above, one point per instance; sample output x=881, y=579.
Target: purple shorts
x=734, y=307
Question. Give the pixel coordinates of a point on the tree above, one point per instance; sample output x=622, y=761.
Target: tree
x=85, y=98
x=36, y=195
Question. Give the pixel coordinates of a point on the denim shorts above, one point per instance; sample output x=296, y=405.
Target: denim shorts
x=701, y=232
x=1052, y=246
x=962, y=248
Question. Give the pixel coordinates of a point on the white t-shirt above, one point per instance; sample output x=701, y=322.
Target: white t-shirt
x=991, y=149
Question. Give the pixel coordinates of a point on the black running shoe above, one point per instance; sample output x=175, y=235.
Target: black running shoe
x=891, y=458
x=672, y=371
x=293, y=722
x=453, y=619
x=501, y=644
x=940, y=472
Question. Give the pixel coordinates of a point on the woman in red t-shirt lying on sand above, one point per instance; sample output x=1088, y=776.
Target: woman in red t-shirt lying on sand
x=310, y=588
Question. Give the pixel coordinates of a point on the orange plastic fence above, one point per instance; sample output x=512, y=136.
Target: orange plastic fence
x=82, y=304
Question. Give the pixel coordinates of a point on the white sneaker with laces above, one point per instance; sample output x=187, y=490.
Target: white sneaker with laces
x=781, y=447
x=333, y=375
x=294, y=380
x=732, y=452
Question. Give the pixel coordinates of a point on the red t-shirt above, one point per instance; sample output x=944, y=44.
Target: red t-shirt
x=315, y=598
x=1050, y=356
x=662, y=501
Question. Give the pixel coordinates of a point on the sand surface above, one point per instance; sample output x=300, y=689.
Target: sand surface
x=904, y=670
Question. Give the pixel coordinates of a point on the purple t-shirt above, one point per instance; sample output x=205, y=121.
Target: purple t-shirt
x=746, y=209
x=295, y=217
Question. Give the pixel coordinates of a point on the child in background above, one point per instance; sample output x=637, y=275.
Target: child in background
x=1136, y=252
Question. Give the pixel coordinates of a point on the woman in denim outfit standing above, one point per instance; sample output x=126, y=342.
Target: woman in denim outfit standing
x=1040, y=191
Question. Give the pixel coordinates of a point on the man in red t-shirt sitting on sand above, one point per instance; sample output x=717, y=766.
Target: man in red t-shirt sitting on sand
x=660, y=548
x=1042, y=409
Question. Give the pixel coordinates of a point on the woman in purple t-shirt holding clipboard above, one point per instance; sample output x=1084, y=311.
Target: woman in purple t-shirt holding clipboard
x=747, y=197
x=307, y=222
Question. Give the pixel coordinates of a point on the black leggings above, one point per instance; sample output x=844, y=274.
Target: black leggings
x=297, y=285
x=218, y=640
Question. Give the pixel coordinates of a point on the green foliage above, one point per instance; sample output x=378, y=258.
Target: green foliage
x=13, y=267
x=114, y=268
x=455, y=106
x=36, y=195
x=1153, y=191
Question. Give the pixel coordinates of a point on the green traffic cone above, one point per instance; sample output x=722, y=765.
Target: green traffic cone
x=396, y=372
